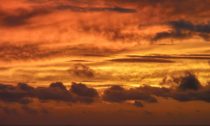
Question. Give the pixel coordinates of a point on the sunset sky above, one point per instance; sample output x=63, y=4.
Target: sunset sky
x=105, y=62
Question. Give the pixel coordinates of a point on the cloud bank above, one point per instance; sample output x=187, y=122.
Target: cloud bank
x=188, y=88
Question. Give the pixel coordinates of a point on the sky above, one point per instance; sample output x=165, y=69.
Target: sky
x=104, y=62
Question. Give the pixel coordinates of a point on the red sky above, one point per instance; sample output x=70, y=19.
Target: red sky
x=128, y=59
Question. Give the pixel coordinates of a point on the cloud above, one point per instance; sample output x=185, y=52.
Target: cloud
x=25, y=87
x=189, y=81
x=22, y=16
x=182, y=29
x=81, y=71
x=171, y=35
x=94, y=21
x=185, y=25
x=119, y=94
x=188, y=88
x=58, y=85
x=84, y=93
x=183, y=81
x=172, y=57
x=142, y=60
x=82, y=90
x=23, y=94
x=34, y=51
x=96, y=9
x=12, y=94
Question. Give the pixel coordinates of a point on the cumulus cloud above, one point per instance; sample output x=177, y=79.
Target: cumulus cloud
x=189, y=81
x=188, y=88
x=82, y=90
x=58, y=85
x=119, y=94
x=10, y=93
x=22, y=93
x=84, y=93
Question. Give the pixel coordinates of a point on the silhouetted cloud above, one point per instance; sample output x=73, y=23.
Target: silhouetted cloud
x=188, y=88
x=189, y=81
x=22, y=93
x=142, y=60
x=119, y=94
x=82, y=90
x=171, y=35
x=10, y=93
x=54, y=94
x=81, y=70
x=84, y=93
x=184, y=29
x=185, y=25
x=58, y=85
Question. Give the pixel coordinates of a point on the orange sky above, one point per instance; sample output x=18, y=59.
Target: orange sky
x=103, y=43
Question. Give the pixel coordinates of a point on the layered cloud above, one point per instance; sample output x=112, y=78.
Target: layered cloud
x=23, y=93
x=91, y=28
x=188, y=88
x=183, y=29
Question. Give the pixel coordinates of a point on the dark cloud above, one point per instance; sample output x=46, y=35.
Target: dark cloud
x=22, y=93
x=119, y=94
x=96, y=9
x=58, y=85
x=22, y=16
x=171, y=35
x=53, y=94
x=115, y=94
x=25, y=87
x=188, y=88
x=142, y=60
x=183, y=81
x=189, y=81
x=172, y=57
x=11, y=20
x=82, y=90
x=176, y=94
x=12, y=94
x=185, y=25
x=81, y=70
x=184, y=29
